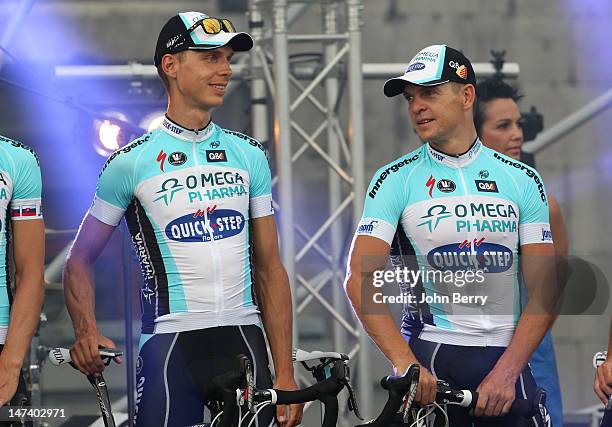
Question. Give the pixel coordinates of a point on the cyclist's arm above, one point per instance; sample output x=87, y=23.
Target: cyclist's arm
x=370, y=254
x=79, y=293
x=603, y=375
x=274, y=298
x=273, y=292
x=538, y=262
x=28, y=253
x=557, y=226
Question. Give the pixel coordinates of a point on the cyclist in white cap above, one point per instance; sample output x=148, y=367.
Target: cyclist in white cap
x=197, y=200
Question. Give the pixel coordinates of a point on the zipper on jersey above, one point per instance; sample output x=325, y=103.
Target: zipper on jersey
x=216, y=256
x=485, y=322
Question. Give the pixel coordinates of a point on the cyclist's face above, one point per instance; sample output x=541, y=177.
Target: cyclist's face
x=203, y=75
x=436, y=112
x=501, y=129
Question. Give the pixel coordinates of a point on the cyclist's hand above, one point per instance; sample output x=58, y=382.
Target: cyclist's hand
x=9, y=378
x=495, y=395
x=426, y=390
x=292, y=416
x=86, y=356
x=603, y=381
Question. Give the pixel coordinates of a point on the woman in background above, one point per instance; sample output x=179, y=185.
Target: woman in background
x=498, y=122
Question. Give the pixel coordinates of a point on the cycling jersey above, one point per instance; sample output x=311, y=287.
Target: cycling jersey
x=20, y=199
x=459, y=213
x=188, y=197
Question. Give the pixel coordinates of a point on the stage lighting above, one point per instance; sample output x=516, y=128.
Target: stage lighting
x=109, y=133
x=152, y=120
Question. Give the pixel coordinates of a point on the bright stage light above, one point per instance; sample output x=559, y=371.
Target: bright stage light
x=109, y=133
x=152, y=120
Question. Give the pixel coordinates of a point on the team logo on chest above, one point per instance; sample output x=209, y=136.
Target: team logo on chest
x=177, y=158
x=446, y=186
x=216, y=156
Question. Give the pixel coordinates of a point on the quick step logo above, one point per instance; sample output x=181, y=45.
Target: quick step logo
x=489, y=257
x=205, y=226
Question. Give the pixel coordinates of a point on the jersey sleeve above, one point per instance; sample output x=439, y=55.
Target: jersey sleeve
x=260, y=181
x=27, y=187
x=383, y=207
x=534, y=224
x=115, y=190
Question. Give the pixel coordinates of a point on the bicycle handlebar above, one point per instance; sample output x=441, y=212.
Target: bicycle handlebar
x=325, y=391
x=397, y=387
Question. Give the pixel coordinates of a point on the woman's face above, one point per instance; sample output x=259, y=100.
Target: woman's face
x=501, y=129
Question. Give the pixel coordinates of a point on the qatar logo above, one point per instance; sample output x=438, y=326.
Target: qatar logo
x=415, y=67
x=204, y=226
x=489, y=257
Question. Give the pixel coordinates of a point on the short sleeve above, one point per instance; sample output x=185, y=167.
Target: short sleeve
x=383, y=206
x=115, y=190
x=534, y=224
x=260, y=181
x=27, y=187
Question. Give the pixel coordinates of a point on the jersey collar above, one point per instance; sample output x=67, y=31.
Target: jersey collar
x=189, y=135
x=456, y=161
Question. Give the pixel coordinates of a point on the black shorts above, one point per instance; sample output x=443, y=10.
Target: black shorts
x=172, y=370
x=464, y=368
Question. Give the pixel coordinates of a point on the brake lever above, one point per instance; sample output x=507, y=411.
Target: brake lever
x=352, y=399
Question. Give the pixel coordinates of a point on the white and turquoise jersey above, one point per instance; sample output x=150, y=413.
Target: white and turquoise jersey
x=20, y=200
x=188, y=197
x=468, y=212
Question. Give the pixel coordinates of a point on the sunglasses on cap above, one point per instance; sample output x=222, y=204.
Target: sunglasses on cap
x=214, y=26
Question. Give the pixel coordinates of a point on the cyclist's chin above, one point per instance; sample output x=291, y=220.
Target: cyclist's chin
x=211, y=101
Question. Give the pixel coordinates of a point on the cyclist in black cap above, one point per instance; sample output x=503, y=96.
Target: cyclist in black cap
x=197, y=200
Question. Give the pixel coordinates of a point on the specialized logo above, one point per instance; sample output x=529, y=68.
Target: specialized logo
x=462, y=72
x=168, y=189
x=446, y=186
x=437, y=213
x=204, y=226
x=486, y=186
x=215, y=144
x=430, y=184
x=546, y=235
x=415, y=67
x=528, y=171
x=216, y=156
x=391, y=169
x=177, y=158
x=368, y=228
x=161, y=158
x=480, y=255
x=483, y=174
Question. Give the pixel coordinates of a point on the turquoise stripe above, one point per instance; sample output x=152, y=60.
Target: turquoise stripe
x=441, y=64
x=176, y=293
x=4, y=300
x=143, y=340
x=248, y=282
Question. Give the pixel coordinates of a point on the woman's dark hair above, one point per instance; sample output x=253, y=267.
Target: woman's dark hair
x=490, y=90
